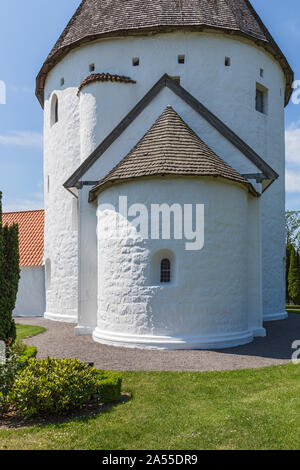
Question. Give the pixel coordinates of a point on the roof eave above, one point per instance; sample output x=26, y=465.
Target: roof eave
x=53, y=59
x=100, y=187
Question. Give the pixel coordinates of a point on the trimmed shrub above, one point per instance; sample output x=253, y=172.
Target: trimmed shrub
x=8, y=373
x=29, y=353
x=17, y=359
x=294, y=276
x=56, y=386
x=109, y=386
x=24, y=352
x=9, y=279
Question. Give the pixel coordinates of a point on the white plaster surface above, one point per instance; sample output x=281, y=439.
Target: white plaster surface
x=61, y=157
x=206, y=304
x=86, y=119
x=31, y=294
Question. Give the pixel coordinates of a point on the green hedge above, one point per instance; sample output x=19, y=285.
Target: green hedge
x=293, y=307
x=56, y=386
x=29, y=353
x=109, y=386
x=17, y=359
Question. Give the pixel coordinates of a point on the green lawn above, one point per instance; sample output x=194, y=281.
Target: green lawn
x=248, y=409
x=293, y=311
x=27, y=331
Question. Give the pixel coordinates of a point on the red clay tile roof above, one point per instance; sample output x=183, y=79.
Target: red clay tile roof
x=96, y=19
x=104, y=77
x=31, y=235
x=170, y=148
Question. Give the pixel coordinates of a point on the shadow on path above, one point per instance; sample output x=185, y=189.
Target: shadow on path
x=59, y=341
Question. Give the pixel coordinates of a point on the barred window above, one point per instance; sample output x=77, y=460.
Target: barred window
x=165, y=271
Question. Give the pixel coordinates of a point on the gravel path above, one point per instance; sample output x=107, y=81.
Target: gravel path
x=59, y=341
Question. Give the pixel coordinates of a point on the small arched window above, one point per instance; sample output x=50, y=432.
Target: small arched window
x=165, y=271
x=54, y=110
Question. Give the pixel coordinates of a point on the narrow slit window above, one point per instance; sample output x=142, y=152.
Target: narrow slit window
x=227, y=62
x=181, y=59
x=54, y=110
x=136, y=61
x=165, y=271
x=261, y=99
x=92, y=67
x=261, y=72
x=62, y=82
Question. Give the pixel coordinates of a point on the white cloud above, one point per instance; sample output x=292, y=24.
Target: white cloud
x=23, y=205
x=292, y=181
x=27, y=139
x=293, y=201
x=292, y=142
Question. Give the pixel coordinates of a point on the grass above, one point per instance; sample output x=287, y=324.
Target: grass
x=247, y=409
x=27, y=331
x=292, y=310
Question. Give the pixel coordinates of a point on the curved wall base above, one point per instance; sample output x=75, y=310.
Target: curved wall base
x=276, y=316
x=168, y=342
x=60, y=318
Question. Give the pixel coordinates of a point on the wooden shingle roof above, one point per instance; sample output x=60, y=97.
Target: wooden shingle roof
x=170, y=148
x=31, y=235
x=114, y=18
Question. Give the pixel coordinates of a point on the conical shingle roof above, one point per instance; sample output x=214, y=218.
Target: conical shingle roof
x=169, y=148
x=110, y=18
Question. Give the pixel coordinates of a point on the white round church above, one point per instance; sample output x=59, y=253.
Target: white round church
x=164, y=173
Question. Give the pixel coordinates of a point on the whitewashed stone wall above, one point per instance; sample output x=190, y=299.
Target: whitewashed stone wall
x=206, y=304
x=229, y=92
x=61, y=157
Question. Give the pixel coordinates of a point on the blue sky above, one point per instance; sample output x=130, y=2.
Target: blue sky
x=29, y=29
